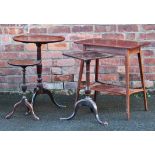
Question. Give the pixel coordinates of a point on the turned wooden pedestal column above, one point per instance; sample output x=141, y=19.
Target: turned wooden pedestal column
x=87, y=101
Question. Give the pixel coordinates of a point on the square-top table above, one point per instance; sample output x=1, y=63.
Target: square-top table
x=120, y=48
x=87, y=101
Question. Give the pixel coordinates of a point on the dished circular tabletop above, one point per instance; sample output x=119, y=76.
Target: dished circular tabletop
x=38, y=38
x=24, y=63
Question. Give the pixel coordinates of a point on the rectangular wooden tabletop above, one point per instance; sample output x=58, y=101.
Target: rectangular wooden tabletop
x=124, y=44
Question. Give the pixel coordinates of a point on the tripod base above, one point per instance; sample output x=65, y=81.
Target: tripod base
x=40, y=90
x=27, y=104
x=87, y=101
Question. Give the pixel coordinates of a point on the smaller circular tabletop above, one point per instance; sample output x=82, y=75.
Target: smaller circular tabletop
x=43, y=39
x=24, y=63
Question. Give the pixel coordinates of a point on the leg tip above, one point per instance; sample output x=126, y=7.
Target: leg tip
x=7, y=117
x=61, y=106
x=63, y=118
x=64, y=106
x=27, y=113
x=128, y=118
x=106, y=123
x=37, y=118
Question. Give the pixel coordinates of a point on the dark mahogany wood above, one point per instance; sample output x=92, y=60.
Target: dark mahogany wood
x=39, y=40
x=110, y=88
x=87, y=55
x=87, y=101
x=112, y=43
x=23, y=64
x=115, y=47
x=43, y=39
x=96, y=77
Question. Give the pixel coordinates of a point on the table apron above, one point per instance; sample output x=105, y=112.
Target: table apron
x=109, y=50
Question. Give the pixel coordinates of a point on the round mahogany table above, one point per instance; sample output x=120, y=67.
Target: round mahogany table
x=39, y=40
